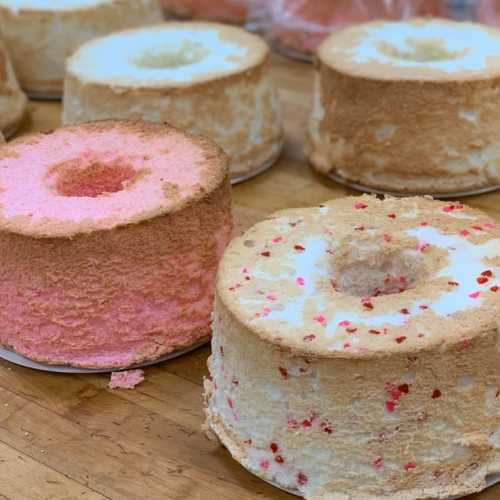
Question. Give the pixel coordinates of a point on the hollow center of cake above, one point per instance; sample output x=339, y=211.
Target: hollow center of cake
x=171, y=57
x=422, y=50
x=366, y=268
x=92, y=180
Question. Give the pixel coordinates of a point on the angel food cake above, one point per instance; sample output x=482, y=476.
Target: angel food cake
x=42, y=34
x=13, y=102
x=355, y=350
x=409, y=107
x=207, y=78
x=110, y=235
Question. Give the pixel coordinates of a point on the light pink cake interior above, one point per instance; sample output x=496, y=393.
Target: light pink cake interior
x=111, y=236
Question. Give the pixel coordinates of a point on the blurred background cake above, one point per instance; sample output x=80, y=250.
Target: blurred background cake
x=208, y=78
x=409, y=107
x=13, y=102
x=42, y=34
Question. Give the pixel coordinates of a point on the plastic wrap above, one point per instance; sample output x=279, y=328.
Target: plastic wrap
x=230, y=11
x=299, y=26
x=488, y=12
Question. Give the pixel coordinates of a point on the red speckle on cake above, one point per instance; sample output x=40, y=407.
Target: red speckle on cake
x=359, y=228
x=451, y=207
x=347, y=345
x=424, y=224
x=230, y=403
x=278, y=239
x=351, y=330
x=248, y=442
x=326, y=426
x=423, y=307
x=274, y=447
x=482, y=280
x=404, y=388
x=464, y=232
x=292, y=423
x=360, y=205
x=221, y=349
x=299, y=248
x=279, y=459
x=266, y=253
x=300, y=281
x=271, y=297
x=422, y=247
x=404, y=311
x=378, y=463
x=302, y=478
x=401, y=339
x=391, y=216
x=319, y=318
x=283, y=372
x=374, y=332
x=436, y=394
x=387, y=238
x=487, y=273
x=474, y=295
x=309, y=338
x=235, y=381
x=453, y=283
x=410, y=466
x=344, y=323
x=264, y=464
x=390, y=406
x=494, y=288
x=367, y=303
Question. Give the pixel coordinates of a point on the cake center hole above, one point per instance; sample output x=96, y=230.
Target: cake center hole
x=422, y=50
x=93, y=179
x=369, y=269
x=163, y=57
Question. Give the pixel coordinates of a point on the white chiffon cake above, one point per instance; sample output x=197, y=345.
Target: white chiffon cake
x=355, y=350
x=409, y=107
x=207, y=78
x=13, y=102
x=42, y=34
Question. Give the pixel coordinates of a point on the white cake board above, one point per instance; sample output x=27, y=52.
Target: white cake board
x=442, y=196
x=17, y=359
x=490, y=481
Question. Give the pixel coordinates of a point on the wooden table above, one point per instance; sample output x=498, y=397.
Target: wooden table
x=69, y=437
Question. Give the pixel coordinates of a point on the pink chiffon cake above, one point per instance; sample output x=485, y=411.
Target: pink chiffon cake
x=110, y=236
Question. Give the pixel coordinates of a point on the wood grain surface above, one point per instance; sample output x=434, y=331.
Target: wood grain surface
x=70, y=437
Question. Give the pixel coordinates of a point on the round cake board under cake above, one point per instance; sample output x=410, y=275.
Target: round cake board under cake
x=490, y=481
x=442, y=196
x=236, y=179
x=17, y=359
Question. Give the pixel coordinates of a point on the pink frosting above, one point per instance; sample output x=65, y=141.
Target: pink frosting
x=113, y=294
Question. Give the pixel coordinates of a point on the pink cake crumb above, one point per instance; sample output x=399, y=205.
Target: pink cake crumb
x=126, y=379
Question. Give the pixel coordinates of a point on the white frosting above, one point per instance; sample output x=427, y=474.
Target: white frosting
x=469, y=46
x=50, y=5
x=116, y=58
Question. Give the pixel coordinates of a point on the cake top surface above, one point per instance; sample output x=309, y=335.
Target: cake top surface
x=51, y=5
x=101, y=175
x=169, y=54
x=359, y=277
x=420, y=49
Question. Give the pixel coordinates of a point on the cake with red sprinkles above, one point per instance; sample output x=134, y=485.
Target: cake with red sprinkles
x=110, y=235
x=355, y=350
